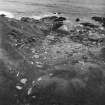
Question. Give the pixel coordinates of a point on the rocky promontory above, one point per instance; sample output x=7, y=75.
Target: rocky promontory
x=49, y=62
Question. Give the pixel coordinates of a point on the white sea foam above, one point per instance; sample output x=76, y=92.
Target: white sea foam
x=8, y=14
x=44, y=15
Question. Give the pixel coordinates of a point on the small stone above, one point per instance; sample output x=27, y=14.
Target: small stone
x=19, y=87
x=36, y=56
x=33, y=82
x=32, y=63
x=34, y=97
x=102, y=28
x=77, y=20
x=39, y=79
x=33, y=50
x=29, y=91
x=50, y=37
x=51, y=74
x=17, y=74
x=45, y=52
x=24, y=80
x=39, y=65
x=65, y=27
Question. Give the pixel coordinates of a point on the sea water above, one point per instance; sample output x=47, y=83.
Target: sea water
x=40, y=8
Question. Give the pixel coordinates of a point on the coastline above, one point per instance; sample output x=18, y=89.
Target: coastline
x=70, y=8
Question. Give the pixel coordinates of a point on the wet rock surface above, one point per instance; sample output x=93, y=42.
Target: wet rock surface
x=43, y=64
x=99, y=19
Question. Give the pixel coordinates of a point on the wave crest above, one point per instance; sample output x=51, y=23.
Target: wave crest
x=8, y=14
x=44, y=15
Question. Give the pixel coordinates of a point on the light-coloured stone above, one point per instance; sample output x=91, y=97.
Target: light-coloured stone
x=19, y=87
x=23, y=80
x=29, y=91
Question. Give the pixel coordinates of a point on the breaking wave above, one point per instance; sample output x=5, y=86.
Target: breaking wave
x=8, y=14
x=44, y=15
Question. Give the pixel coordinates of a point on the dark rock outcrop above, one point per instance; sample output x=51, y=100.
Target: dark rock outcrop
x=99, y=19
x=77, y=19
x=86, y=24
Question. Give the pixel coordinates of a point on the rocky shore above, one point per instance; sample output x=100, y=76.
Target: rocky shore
x=52, y=61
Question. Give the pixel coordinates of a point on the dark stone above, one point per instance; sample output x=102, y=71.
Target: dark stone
x=77, y=20
x=86, y=24
x=57, y=13
x=60, y=19
x=2, y=15
x=25, y=19
x=99, y=19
